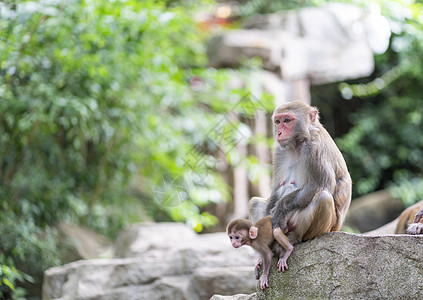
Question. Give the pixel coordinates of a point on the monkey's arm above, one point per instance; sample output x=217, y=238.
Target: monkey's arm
x=266, y=255
x=320, y=177
x=273, y=199
x=282, y=207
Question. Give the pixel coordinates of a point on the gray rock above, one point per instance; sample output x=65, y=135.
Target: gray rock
x=195, y=267
x=235, y=297
x=208, y=281
x=82, y=243
x=172, y=287
x=339, y=265
x=166, y=261
x=88, y=279
x=165, y=239
x=139, y=238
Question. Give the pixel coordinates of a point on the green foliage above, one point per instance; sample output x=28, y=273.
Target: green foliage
x=66, y=118
x=91, y=93
x=251, y=7
x=94, y=92
x=385, y=146
x=9, y=277
x=182, y=176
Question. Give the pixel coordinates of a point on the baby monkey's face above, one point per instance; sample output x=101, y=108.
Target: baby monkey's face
x=238, y=238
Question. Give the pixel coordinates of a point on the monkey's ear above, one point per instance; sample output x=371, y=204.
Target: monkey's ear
x=314, y=115
x=253, y=232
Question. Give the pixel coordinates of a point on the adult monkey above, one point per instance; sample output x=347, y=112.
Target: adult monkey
x=311, y=190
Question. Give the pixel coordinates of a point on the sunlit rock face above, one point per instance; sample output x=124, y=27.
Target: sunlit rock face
x=339, y=265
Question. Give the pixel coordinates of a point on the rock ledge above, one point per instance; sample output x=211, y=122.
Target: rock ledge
x=340, y=265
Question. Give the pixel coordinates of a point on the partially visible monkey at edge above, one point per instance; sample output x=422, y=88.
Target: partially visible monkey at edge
x=260, y=237
x=311, y=189
x=411, y=220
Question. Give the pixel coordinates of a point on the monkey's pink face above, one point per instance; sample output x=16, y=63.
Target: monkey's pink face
x=237, y=239
x=284, y=123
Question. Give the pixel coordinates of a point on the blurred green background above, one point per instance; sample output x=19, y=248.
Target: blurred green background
x=99, y=106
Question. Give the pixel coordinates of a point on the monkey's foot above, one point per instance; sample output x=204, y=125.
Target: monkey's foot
x=263, y=282
x=415, y=228
x=282, y=265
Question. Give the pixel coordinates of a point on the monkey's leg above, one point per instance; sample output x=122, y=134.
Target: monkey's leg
x=342, y=199
x=256, y=208
x=318, y=217
x=283, y=240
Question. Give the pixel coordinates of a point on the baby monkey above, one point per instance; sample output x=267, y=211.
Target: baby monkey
x=260, y=237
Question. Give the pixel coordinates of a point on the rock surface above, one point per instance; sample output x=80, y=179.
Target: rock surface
x=83, y=243
x=339, y=265
x=157, y=261
x=235, y=297
x=170, y=261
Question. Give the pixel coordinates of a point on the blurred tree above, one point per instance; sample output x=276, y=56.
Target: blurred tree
x=382, y=143
x=385, y=147
x=91, y=93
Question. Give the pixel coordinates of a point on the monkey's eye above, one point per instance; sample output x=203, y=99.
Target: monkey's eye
x=287, y=120
x=277, y=121
x=230, y=238
x=237, y=237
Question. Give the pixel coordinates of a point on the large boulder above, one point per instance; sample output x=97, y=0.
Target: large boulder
x=139, y=238
x=339, y=265
x=157, y=261
x=83, y=243
x=235, y=297
x=209, y=281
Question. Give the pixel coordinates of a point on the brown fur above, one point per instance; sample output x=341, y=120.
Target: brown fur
x=311, y=184
x=266, y=236
x=407, y=218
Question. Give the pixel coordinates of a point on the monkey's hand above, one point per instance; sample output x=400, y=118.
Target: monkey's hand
x=418, y=216
x=263, y=282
